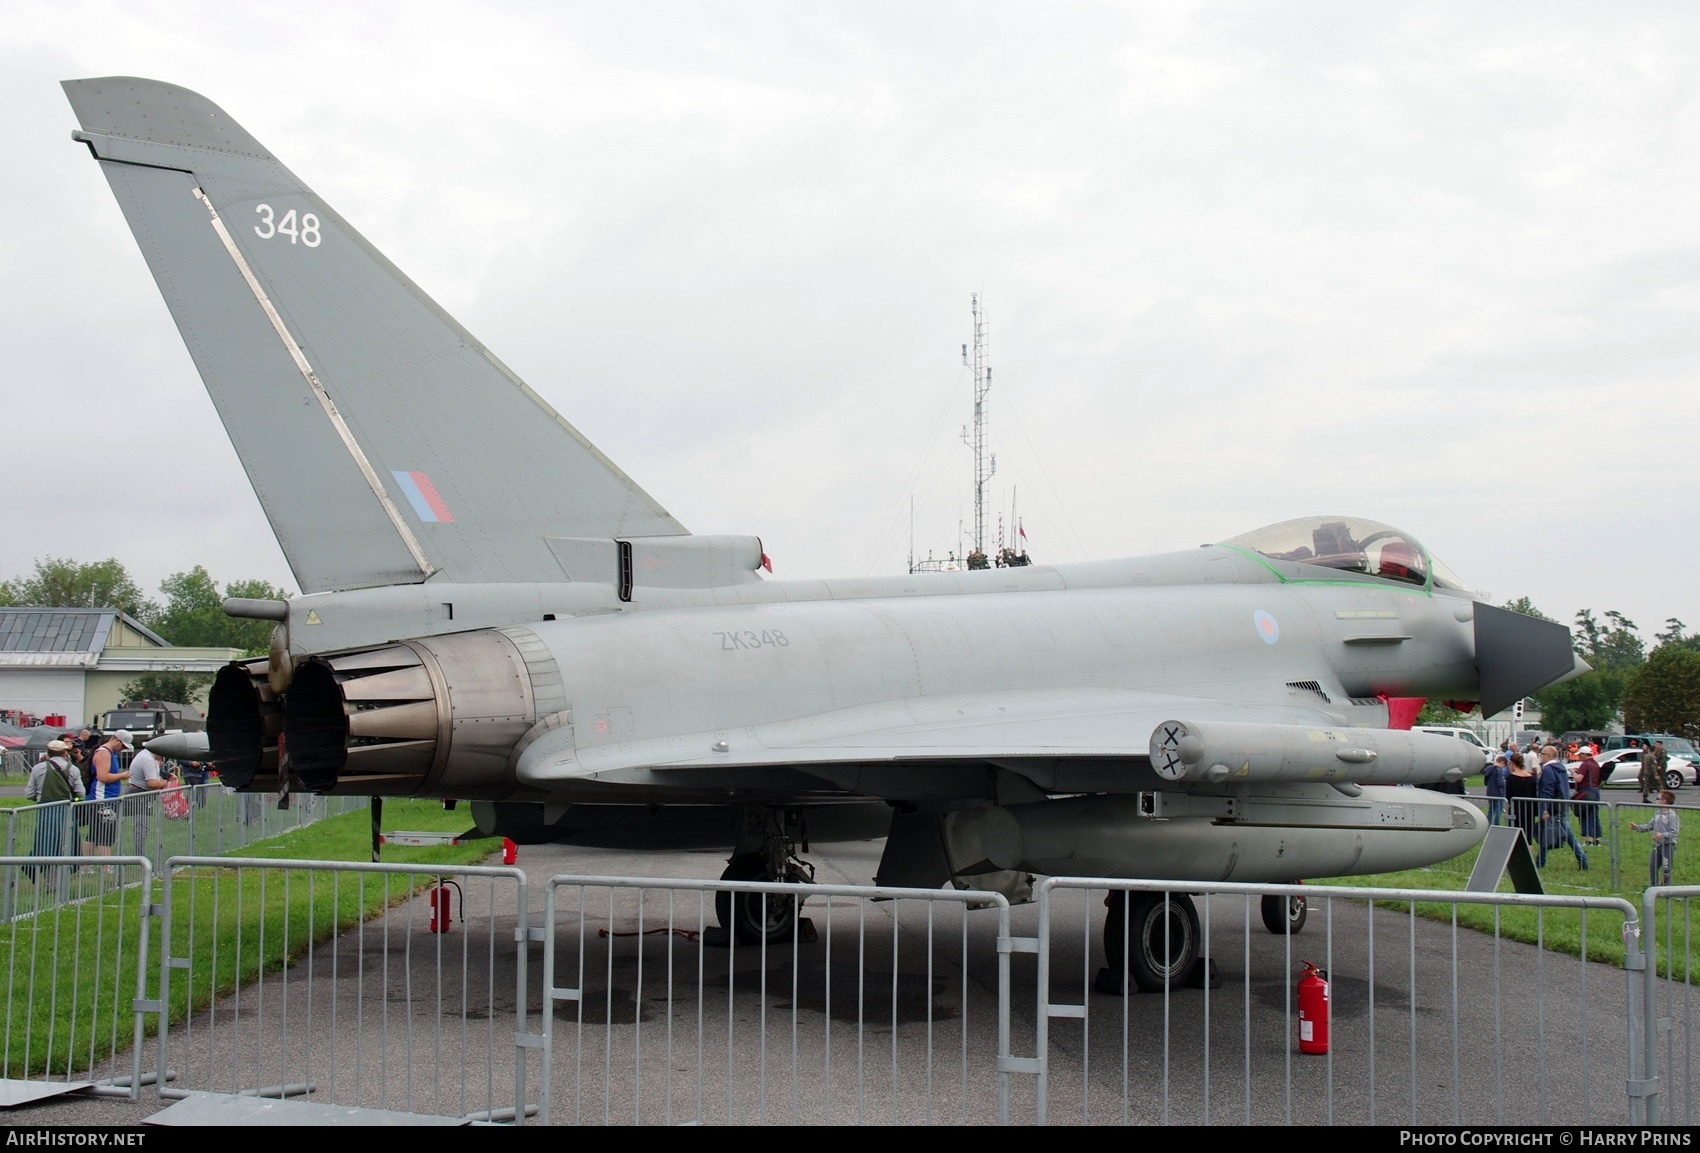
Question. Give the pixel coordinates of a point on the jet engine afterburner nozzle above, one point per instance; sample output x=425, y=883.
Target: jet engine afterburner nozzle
x=1221, y=751
x=437, y=715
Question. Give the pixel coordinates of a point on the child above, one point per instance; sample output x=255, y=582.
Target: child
x=1664, y=826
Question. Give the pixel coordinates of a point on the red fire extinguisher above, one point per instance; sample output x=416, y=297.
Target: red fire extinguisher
x=438, y=896
x=1313, y=1009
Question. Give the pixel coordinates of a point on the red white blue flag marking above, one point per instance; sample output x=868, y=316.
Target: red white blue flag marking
x=422, y=495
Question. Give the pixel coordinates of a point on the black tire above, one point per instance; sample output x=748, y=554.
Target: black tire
x=755, y=917
x=1673, y=779
x=1159, y=937
x=1284, y=914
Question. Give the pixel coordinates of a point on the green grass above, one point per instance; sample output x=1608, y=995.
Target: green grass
x=233, y=925
x=1596, y=934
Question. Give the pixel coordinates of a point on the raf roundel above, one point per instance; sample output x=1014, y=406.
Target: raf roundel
x=1266, y=627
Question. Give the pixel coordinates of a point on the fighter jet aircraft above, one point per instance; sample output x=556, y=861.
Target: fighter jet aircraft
x=493, y=612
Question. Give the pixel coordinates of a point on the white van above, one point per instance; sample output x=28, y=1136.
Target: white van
x=1450, y=731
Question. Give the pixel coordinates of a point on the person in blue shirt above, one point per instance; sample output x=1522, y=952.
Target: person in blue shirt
x=1494, y=778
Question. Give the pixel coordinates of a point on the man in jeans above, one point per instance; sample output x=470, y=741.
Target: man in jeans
x=1553, y=791
x=1587, y=782
x=1494, y=778
x=145, y=781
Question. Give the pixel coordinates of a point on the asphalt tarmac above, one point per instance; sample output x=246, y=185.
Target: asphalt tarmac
x=891, y=1014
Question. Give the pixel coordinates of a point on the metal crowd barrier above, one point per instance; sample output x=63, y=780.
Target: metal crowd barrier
x=862, y=1005
x=1668, y=1025
x=412, y=990
x=371, y=986
x=188, y=820
x=75, y=953
x=1617, y=865
x=1484, y=1030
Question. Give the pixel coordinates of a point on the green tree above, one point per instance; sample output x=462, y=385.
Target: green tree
x=1589, y=701
x=179, y=688
x=1437, y=713
x=60, y=582
x=1674, y=635
x=1616, y=647
x=1527, y=607
x=193, y=614
x=1663, y=695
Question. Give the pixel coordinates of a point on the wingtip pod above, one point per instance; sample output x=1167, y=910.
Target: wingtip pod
x=159, y=113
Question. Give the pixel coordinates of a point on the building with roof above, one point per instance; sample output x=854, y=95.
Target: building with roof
x=74, y=661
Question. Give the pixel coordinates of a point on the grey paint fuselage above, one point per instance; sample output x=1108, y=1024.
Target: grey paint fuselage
x=806, y=672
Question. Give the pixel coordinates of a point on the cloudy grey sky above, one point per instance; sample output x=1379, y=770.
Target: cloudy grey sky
x=1437, y=265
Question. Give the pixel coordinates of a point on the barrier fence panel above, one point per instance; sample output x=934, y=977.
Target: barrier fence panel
x=74, y=946
x=185, y=821
x=1429, y=1021
x=1668, y=1014
x=1602, y=830
x=864, y=1005
x=373, y=986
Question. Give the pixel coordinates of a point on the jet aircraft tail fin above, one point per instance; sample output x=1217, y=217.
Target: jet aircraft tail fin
x=385, y=443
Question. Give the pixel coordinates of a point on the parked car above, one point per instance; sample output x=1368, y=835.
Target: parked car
x=1673, y=745
x=1453, y=731
x=1621, y=769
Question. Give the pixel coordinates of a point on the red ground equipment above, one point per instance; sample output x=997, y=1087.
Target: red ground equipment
x=438, y=896
x=1313, y=1009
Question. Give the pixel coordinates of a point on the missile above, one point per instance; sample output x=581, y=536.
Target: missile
x=1230, y=751
x=179, y=746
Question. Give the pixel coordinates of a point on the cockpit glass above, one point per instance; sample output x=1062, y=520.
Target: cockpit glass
x=1350, y=544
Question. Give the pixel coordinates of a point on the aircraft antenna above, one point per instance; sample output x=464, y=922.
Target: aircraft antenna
x=984, y=468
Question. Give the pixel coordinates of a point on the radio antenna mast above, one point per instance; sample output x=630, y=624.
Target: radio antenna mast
x=985, y=466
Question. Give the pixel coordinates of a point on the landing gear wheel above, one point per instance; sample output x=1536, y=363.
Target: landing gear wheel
x=1284, y=914
x=1673, y=780
x=1159, y=938
x=755, y=917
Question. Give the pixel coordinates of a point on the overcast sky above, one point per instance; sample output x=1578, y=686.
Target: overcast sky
x=1434, y=265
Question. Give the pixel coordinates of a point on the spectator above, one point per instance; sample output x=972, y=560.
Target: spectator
x=1494, y=778
x=146, y=780
x=1520, y=788
x=195, y=775
x=52, y=781
x=1653, y=765
x=82, y=748
x=109, y=778
x=1553, y=791
x=1587, y=782
x=1665, y=825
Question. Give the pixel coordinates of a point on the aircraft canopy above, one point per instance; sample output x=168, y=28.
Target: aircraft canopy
x=1352, y=544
